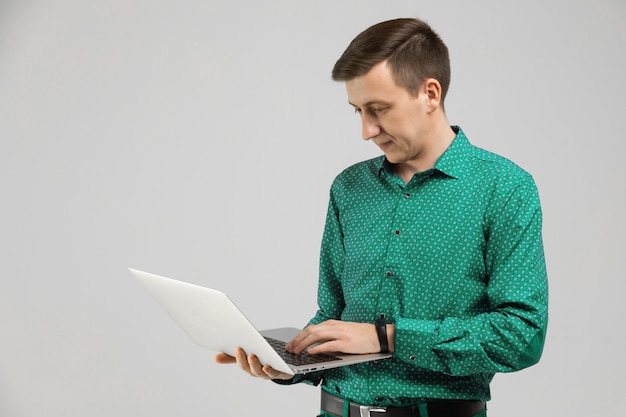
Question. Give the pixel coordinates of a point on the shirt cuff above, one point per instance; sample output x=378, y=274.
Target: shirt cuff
x=414, y=341
x=313, y=378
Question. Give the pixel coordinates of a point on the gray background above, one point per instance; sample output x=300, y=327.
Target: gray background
x=198, y=140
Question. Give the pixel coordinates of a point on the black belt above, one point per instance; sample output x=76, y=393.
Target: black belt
x=449, y=408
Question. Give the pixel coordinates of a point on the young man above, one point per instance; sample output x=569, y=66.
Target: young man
x=437, y=244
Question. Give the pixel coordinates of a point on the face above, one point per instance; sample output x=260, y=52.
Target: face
x=397, y=121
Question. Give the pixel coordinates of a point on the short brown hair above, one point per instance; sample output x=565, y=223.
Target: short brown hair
x=413, y=50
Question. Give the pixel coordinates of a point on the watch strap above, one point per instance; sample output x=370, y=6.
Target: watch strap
x=381, y=331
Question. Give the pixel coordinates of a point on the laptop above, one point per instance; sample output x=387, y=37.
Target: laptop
x=213, y=321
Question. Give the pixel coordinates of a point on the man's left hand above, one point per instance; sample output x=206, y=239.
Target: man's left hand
x=338, y=336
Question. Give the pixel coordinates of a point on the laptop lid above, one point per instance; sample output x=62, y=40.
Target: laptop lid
x=212, y=320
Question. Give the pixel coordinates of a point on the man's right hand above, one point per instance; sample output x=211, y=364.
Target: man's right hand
x=251, y=365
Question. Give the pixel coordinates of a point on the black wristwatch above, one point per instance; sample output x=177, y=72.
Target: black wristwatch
x=381, y=330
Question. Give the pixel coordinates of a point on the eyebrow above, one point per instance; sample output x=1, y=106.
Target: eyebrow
x=371, y=103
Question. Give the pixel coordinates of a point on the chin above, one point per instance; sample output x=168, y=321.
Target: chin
x=393, y=159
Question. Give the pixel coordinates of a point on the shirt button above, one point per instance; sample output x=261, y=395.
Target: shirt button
x=407, y=195
x=389, y=274
x=412, y=357
x=397, y=233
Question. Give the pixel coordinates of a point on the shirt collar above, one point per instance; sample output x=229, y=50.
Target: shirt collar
x=453, y=162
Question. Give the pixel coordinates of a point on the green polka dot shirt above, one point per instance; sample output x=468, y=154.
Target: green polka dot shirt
x=454, y=258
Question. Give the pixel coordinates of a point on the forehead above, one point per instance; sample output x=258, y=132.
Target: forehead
x=377, y=86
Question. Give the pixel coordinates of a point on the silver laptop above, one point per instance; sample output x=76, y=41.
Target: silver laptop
x=213, y=321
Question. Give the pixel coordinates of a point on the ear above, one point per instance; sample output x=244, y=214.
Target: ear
x=432, y=94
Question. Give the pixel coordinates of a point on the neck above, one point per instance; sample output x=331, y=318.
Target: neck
x=438, y=140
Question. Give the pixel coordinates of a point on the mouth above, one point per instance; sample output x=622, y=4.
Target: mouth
x=384, y=145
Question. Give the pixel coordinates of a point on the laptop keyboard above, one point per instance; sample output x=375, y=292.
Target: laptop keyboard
x=301, y=359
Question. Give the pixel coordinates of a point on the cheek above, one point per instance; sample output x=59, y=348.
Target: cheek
x=402, y=128
x=394, y=124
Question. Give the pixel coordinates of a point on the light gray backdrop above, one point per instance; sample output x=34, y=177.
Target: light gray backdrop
x=198, y=139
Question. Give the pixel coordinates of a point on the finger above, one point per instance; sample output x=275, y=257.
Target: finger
x=242, y=360
x=274, y=374
x=298, y=346
x=326, y=347
x=303, y=340
x=256, y=369
x=223, y=358
x=291, y=345
x=313, y=334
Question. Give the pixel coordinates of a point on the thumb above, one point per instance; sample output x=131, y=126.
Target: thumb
x=224, y=358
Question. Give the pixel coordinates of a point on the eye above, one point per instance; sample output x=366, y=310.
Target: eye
x=379, y=110
x=357, y=110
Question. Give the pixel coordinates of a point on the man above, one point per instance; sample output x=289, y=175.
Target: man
x=432, y=251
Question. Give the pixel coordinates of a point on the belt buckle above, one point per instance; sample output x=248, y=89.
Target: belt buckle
x=366, y=411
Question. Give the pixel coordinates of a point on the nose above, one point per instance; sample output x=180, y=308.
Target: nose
x=369, y=127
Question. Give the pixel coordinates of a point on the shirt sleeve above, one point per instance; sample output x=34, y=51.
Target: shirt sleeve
x=510, y=335
x=330, y=298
